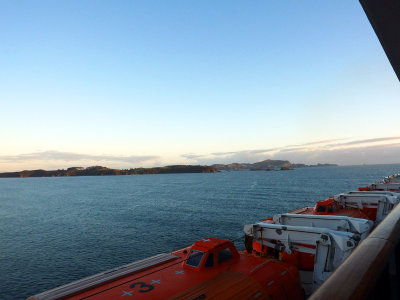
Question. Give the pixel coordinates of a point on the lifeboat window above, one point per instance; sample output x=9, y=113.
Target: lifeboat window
x=321, y=208
x=224, y=255
x=210, y=260
x=330, y=209
x=195, y=258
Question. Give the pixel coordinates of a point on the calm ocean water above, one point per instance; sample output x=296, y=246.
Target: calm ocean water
x=56, y=230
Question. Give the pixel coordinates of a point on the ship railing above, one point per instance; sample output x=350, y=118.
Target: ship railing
x=372, y=270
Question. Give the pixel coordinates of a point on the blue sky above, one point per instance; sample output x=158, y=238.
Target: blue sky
x=144, y=83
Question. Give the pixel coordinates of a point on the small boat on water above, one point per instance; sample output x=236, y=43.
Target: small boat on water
x=287, y=256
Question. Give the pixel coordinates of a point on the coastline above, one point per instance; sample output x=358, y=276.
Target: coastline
x=104, y=171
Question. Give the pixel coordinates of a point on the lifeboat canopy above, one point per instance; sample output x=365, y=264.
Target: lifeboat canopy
x=325, y=207
x=210, y=252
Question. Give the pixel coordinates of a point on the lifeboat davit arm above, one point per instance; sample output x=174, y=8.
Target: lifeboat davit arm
x=339, y=223
x=382, y=203
x=391, y=186
x=330, y=247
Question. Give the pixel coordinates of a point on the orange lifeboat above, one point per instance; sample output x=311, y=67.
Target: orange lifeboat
x=210, y=269
x=302, y=260
x=332, y=207
x=314, y=240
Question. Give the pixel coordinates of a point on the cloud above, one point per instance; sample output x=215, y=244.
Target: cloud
x=294, y=149
x=347, y=153
x=366, y=141
x=192, y=156
x=72, y=157
x=267, y=151
x=238, y=156
x=317, y=142
x=223, y=153
x=375, y=154
x=232, y=153
x=366, y=151
x=261, y=150
x=229, y=156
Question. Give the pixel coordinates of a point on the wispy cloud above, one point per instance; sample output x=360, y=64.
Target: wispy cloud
x=223, y=153
x=294, y=149
x=268, y=151
x=257, y=151
x=317, y=142
x=365, y=141
x=372, y=154
x=361, y=151
x=72, y=157
x=250, y=155
x=192, y=156
x=373, y=150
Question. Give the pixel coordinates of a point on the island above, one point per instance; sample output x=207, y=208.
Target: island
x=102, y=171
x=266, y=165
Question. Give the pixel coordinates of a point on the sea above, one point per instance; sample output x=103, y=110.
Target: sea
x=57, y=230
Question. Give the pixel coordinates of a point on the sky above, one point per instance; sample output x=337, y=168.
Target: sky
x=147, y=83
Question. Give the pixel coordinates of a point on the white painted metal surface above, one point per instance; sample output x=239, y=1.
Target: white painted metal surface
x=340, y=223
x=383, y=203
x=385, y=186
x=329, y=246
x=388, y=193
x=395, y=178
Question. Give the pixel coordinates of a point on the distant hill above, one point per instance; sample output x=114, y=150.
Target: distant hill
x=266, y=165
x=101, y=171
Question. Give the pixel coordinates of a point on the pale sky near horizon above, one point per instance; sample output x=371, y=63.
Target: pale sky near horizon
x=144, y=83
